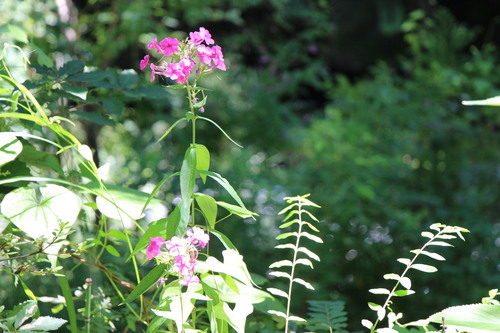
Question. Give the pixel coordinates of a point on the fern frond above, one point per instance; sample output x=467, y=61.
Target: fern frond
x=327, y=316
x=296, y=212
x=442, y=232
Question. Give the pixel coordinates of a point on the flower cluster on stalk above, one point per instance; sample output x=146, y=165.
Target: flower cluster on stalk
x=180, y=58
x=180, y=253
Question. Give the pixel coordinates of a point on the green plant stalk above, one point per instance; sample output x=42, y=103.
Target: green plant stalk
x=88, y=303
x=70, y=305
x=387, y=301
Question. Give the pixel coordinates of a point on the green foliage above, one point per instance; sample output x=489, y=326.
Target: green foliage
x=440, y=238
x=327, y=315
x=25, y=318
x=297, y=217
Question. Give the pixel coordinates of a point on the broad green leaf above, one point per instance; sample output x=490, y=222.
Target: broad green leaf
x=112, y=250
x=475, y=318
x=25, y=310
x=246, y=292
x=374, y=306
x=18, y=32
x=10, y=147
x=114, y=105
x=93, y=117
x=424, y=268
x=281, y=263
x=120, y=202
x=117, y=234
x=40, y=159
x=379, y=291
x=240, y=211
x=147, y=282
x=80, y=92
x=493, y=101
x=39, y=211
x=429, y=254
x=208, y=206
x=401, y=293
x=44, y=323
x=71, y=67
x=202, y=160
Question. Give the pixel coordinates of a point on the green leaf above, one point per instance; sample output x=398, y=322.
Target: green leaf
x=438, y=243
x=120, y=202
x=113, y=105
x=10, y=147
x=79, y=92
x=366, y=323
x=112, y=250
x=424, y=268
x=40, y=159
x=220, y=129
x=304, y=261
x=117, y=234
x=312, y=237
x=379, y=291
x=39, y=211
x=427, y=234
x=24, y=311
x=404, y=261
x=18, y=33
x=277, y=292
x=281, y=263
x=93, y=117
x=286, y=235
x=493, y=101
x=187, y=179
x=240, y=211
x=474, y=318
x=309, y=253
x=224, y=240
x=402, y=293
x=280, y=274
x=155, y=229
x=173, y=223
x=44, y=323
x=71, y=67
x=225, y=184
x=304, y=283
x=147, y=282
x=429, y=254
x=202, y=160
x=208, y=206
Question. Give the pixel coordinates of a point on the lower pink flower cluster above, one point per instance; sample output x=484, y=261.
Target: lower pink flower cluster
x=180, y=58
x=180, y=253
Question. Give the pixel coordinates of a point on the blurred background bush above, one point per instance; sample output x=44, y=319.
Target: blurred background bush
x=356, y=102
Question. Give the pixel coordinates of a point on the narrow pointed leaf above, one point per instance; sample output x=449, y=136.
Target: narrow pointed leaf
x=202, y=160
x=309, y=253
x=439, y=243
x=295, y=318
x=424, y=268
x=312, y=237
x=380, y=291
x=281, y=263
x=304, y=283
x=392, y=276
x=280, y=274
x=402, y=293
x=277, y=292
x=147, y=282
x=305, y=262
x=429, y=254
x=404, y=261
x=427, y=234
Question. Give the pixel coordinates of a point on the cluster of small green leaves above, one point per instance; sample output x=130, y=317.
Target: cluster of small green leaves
x=296, y=217
x=442, y=235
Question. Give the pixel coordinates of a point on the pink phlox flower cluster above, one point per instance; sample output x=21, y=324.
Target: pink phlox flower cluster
x=179, y=58
x=180, y=252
